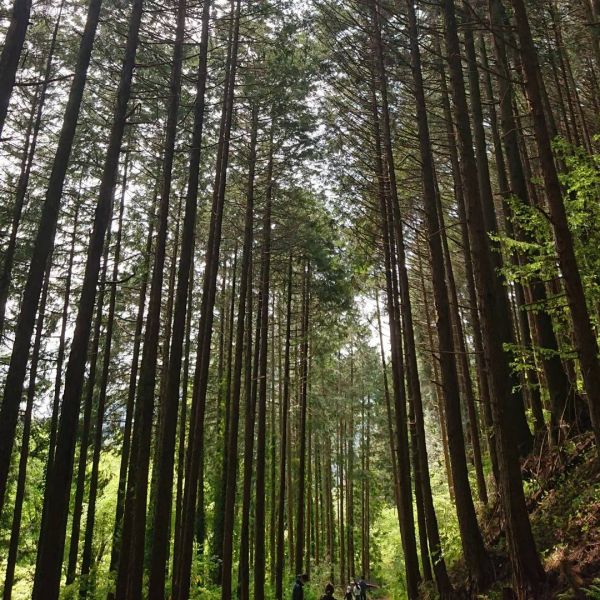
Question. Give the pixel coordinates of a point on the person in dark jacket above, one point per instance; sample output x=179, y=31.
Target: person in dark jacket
x=298, y=591
x=329, y=589
x=364, y=586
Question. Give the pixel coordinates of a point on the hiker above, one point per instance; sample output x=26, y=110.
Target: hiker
x=329, y=589
x=348, y=594
x=364, y=586
x=356, y=591
x=298, y=592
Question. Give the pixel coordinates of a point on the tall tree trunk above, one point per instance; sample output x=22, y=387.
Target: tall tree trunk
x=226, y=366
x=131, y=566
x=250, y=391
x=86, y=427
x=582, y=327
x=47, y=577
x=11, y=53
x=522, y=434
x=196, y=444
x=480, y=361
x=87, y=586
x=394, y=244
x=557, y=381
x=265, y=282
x=388, y=405
x=160, y=529
x=43, y=244
x=23, y=182
x=474, y=550
x=279, y=567
x=129, y=407
x=527, y=569
x=13, y=549
x=243, y=321
x=302, y=496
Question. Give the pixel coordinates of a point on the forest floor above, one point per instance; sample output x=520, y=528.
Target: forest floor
x=563, y=495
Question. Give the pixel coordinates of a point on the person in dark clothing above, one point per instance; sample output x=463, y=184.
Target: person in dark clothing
x=329, y=589
x=364, y=586
x=348, y=594
x=298, y=592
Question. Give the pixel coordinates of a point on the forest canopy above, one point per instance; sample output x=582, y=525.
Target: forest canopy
x=297, y=294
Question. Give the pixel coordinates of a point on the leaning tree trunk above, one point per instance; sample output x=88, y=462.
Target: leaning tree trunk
x=527, y=569
x=23, y=182
x=13, y=549
x=582, y=326
x=47, y=578
x=11, y=54
x=196, y=444
x=475, y=553
x=42, y=248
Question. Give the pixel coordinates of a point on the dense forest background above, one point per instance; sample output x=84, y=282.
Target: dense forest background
x=303, y=286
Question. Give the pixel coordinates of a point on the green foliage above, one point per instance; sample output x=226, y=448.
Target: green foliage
x=593, y=591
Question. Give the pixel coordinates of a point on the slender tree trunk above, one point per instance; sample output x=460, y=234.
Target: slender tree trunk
x=482, y=367
x=13, y=549
x=86, y=427
x=279, y=567
x=522, y=434
x=342, y=529
x=129, y=408
x=582, y=327
x=557, y=382
x=87, y=586
x=388, y=404
x=162, y=515
x=265, y=281
x=475, y=553
x=23, y=182
x=302, y=496
x=52, y=538
x=251, y=389
x=43, y=244
x=226, y=356
x=393, y=242
x=196, y=444
x=164, y=352
x=131, y=566
x=462, y=357
x=527, y=569
x=244, y=320
x=11, y=53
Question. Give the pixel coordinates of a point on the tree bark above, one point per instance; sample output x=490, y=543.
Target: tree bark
x=265, y=281
x=582, y=327
x=43, y=244
x=527, y=569
x=160, y=538
x=244, y=320
x=47, y=577
x=196, y=445
x=11, y=53
x=13, y=549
